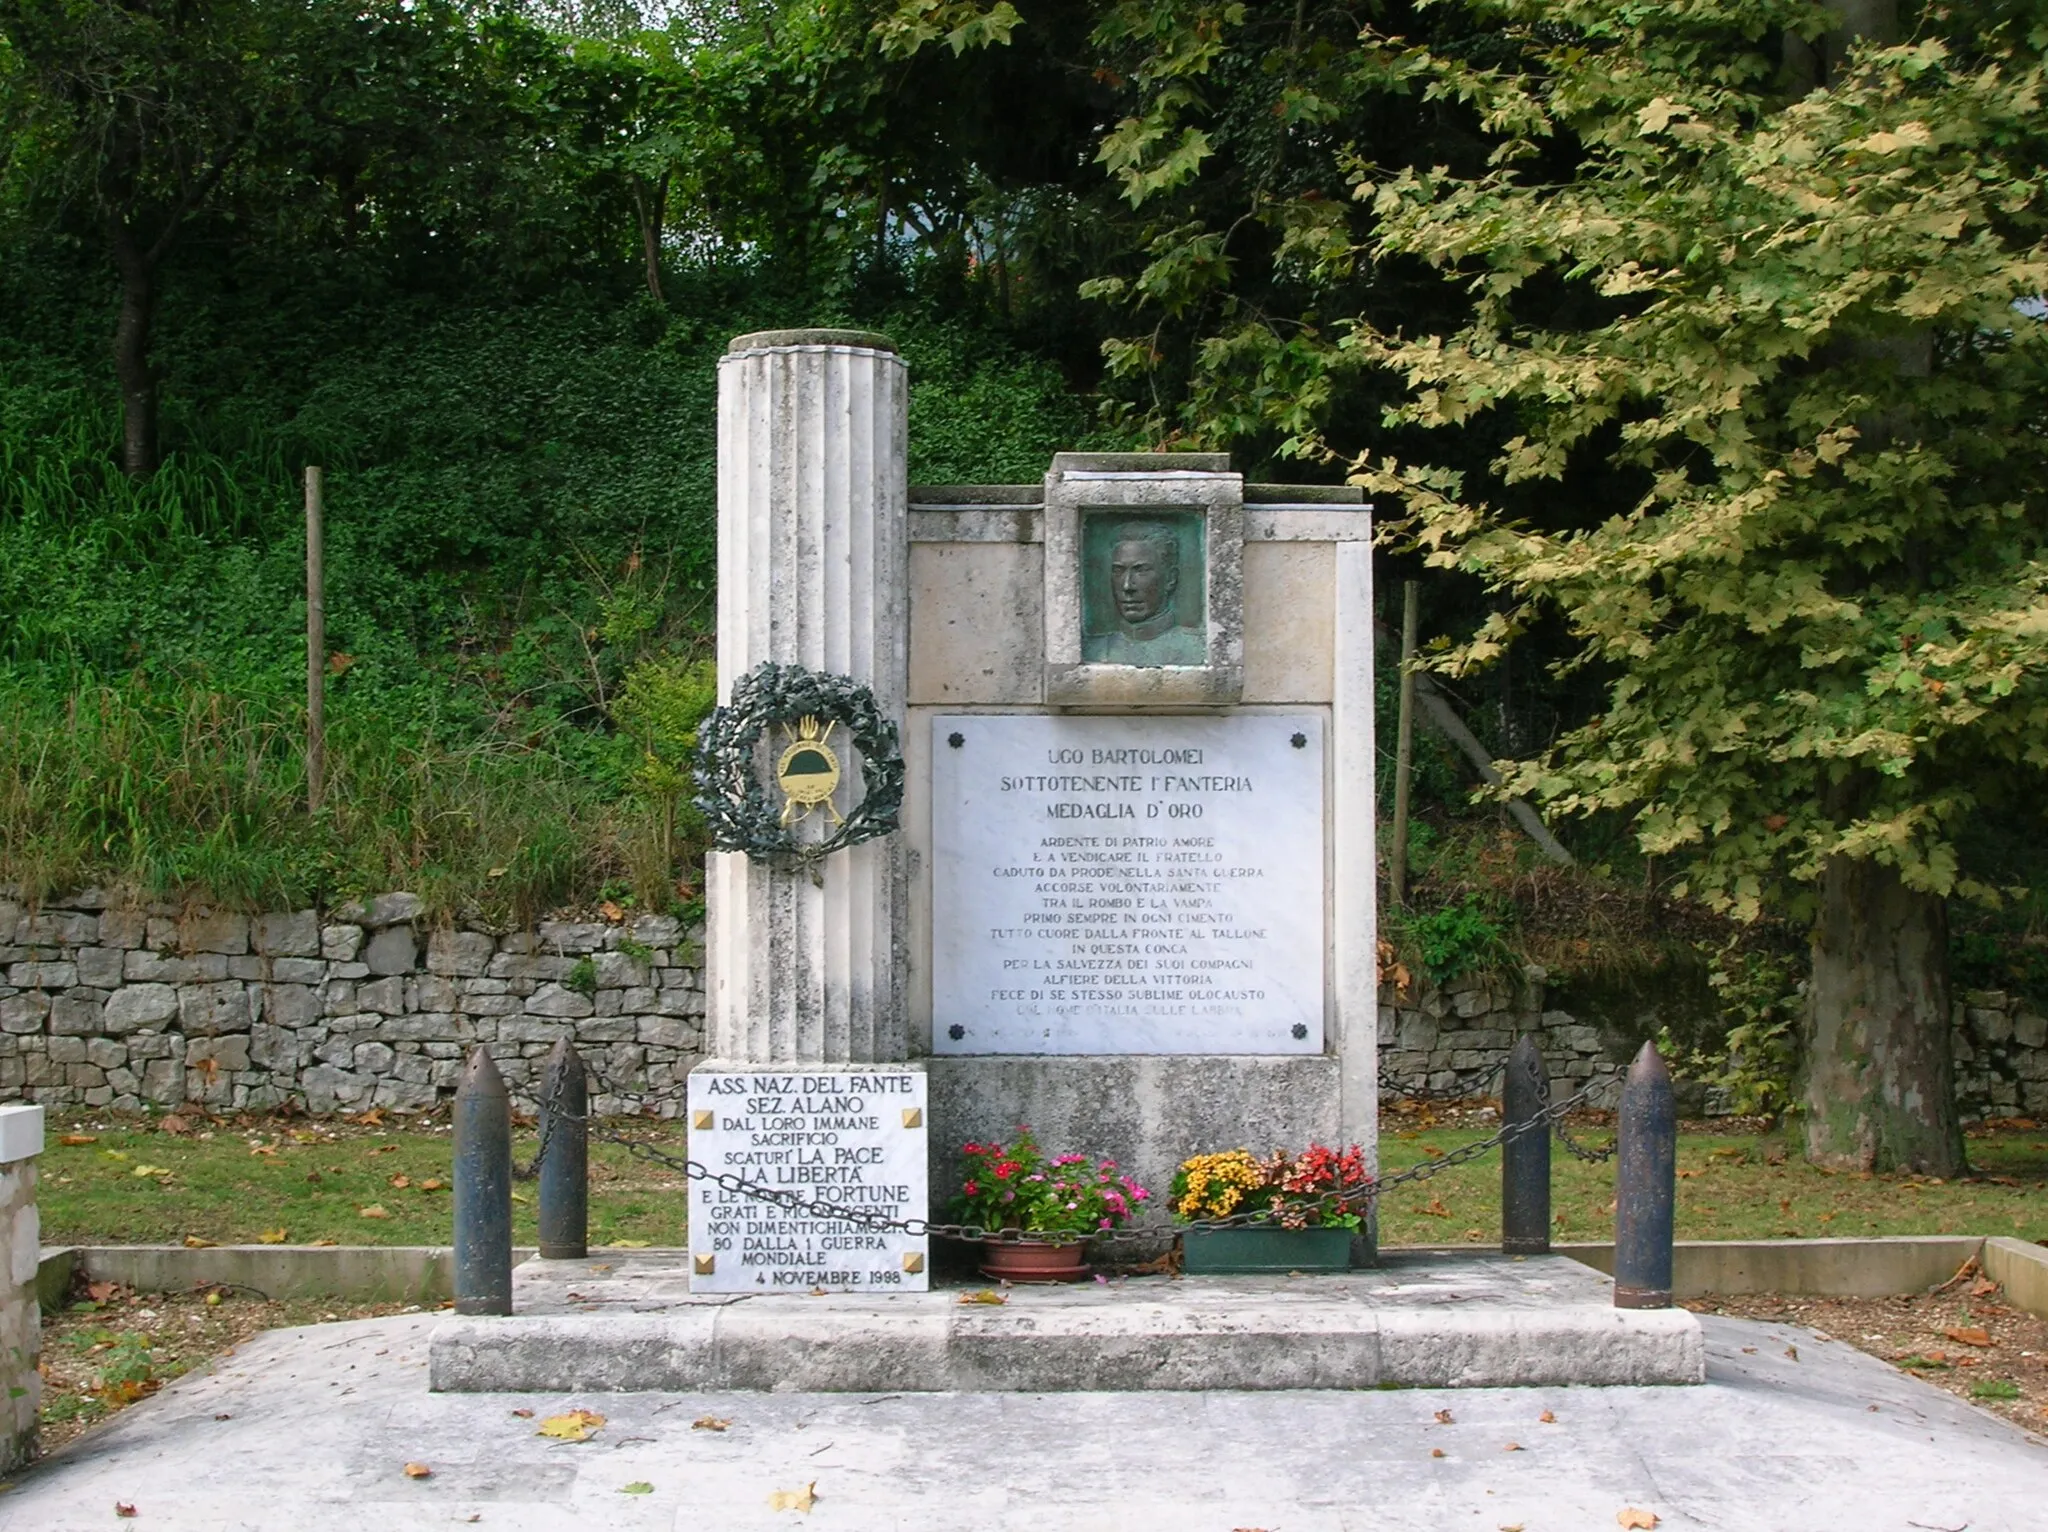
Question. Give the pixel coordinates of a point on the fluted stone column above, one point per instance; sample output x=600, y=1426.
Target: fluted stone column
x=813, y=570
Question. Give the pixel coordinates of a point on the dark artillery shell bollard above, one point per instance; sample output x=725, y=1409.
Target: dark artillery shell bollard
x=1525, y=1158
x=483, y=1189
x=565, y=1157
x=1645, y=1185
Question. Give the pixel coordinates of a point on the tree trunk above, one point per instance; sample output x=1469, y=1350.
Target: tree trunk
x=131, y=352
x=1880, y=1087
x=652, y=208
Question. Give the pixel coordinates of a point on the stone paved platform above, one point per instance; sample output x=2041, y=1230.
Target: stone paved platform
x=626, y=1322
x=310, y=1430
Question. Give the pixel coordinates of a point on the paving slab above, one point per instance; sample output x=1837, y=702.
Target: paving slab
x=309, y=1431
x=628, y=1322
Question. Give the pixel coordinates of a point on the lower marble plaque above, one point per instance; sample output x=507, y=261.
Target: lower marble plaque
x=851, y=1137
x=1127, y=884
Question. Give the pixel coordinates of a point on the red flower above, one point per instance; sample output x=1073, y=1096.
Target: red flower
x=972, y=1189
x=1006, y=1169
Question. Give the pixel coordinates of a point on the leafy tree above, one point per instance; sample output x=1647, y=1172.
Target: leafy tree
x=133, y=112
x=1767, y=275
x=1820, y=629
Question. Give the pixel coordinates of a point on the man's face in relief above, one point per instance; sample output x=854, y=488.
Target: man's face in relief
x=1142, y=575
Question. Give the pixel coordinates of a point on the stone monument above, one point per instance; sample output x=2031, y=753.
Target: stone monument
x=806, y=1088
x=1130, y=901
x=1139, y=811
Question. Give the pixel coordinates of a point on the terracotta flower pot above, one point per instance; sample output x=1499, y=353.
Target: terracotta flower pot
x=1012, y=1260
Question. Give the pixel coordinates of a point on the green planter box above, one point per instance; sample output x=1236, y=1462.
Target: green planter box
x=1237, y=1252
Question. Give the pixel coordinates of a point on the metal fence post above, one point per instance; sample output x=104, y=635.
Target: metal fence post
x=1645, y=1185
x=1525, y=1158
x=565, y=1157
x=483, y=1189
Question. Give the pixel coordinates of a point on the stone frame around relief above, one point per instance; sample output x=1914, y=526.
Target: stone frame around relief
x=1205, y=507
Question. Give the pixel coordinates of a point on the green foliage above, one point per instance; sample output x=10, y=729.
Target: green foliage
x=1462, y=938
x=582, y=976
x=1762, y=999
x=520, y=548
x=1823, y=614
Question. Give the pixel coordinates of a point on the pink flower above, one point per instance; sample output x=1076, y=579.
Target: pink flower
x=972, y=1188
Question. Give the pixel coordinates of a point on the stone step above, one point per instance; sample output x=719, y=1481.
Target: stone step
x=1445, y=1322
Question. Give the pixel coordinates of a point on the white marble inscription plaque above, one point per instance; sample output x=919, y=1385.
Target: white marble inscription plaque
x=855, y=1137
x=1127, y=885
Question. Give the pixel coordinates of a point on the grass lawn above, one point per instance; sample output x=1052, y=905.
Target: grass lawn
x=293, y=1181
x=1730, y=1186
x=282, y=1180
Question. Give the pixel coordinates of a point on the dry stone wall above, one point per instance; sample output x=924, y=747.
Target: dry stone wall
x=104, y=1003
x=1435, y=1038
x=2001, y=1054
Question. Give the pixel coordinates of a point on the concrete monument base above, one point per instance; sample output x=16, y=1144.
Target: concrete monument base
x=626, y=1322
x=1146, y=1111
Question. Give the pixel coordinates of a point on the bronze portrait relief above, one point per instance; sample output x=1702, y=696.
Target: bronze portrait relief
x=1143, y=601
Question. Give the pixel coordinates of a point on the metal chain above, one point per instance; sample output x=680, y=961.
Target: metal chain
x=1591, y=1154
x=1459, y=1090
x=1340, y=1199
x=530, y=1171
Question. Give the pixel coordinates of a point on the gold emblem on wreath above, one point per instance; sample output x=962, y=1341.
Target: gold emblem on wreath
x=808, y=771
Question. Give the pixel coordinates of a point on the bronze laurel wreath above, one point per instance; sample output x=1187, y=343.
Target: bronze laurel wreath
x=730, y=794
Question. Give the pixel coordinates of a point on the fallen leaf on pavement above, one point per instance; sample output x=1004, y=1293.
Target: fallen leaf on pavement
x=1513, y=1447
x=374, y=1210
x=418, y=1471
x=1969, y=1335
x=75, y=1139
x=1629, y=1516
x=709, y=1423
x=1443, y=1417
x=985, y=1295
x=795, y=1499
x=1436, y=1452
x=524, y=1414
x=576, y=1426
x=1792, y=1352
x=123, y=1508
x=1547, y=1418
x=637, y=1487
x=272, y=1236
x=1511, y=1526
